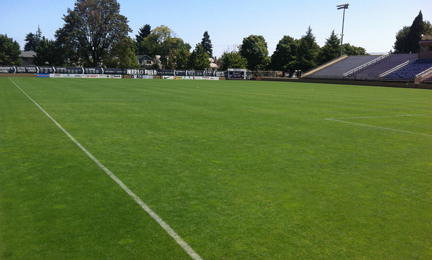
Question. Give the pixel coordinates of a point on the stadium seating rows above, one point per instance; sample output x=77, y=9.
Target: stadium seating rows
x=411, y=70
x=373, y=71
x=336, y=70
x=368, y=69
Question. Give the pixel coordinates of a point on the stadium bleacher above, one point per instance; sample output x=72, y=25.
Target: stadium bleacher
x=336, y=70
x=389, y=67
x=408, y=72
x=373, y=71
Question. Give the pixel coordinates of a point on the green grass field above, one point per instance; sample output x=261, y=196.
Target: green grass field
x=239, y=169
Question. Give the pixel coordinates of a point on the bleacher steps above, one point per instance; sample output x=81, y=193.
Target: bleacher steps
x=324, y=65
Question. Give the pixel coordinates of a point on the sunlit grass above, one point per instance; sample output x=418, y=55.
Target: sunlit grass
x=240, y=170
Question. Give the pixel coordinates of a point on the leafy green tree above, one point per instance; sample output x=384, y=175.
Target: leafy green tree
x=199, y=59
x=157, y=42
x=92, y=29
x=9, y=51
x=330, y=50
x=254, y=50
x=163, y=33
x=177, y=51
x=427, y=29
x=47, y=54
x=353, y=50
x=207, y=45
x=163, y=41
x=150, y=46
x=232, y=59
x=123, y=55
x=181, y=57
x=285, y=56
x=307, y=54
x=401, y=39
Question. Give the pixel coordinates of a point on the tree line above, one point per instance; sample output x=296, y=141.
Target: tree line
x=95, y=34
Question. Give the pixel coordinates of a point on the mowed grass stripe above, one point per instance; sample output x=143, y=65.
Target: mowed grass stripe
x=160, y=221
x=251, y=170
x=56, y=204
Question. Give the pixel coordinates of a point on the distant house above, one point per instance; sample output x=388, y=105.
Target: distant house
x=213, y=65
x=145, y=61
x=28, y=58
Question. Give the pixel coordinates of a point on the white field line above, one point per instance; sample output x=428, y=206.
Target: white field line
x=144, y=206
x=359, y=117
x=344, y=120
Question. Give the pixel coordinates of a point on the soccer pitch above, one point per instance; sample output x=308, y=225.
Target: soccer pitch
x=237, y=169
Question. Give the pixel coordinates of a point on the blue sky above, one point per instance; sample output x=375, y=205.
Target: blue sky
x=369, y=24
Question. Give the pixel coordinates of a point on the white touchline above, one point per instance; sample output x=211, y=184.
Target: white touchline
x=343, y=120
x=144, y=206
x=360, y=117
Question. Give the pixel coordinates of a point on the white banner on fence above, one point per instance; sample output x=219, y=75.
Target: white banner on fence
x=190, y=77
x=87, y=76
x=141, y=77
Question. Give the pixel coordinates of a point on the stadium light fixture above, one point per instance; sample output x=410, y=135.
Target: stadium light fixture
x=342, y=6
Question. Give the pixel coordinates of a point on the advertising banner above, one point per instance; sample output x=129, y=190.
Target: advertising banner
x=26, y=69
x=87, y=76
x=189, y=77
x=9, y=69
x=141, y=77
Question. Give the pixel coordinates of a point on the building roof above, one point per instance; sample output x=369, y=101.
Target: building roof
x=28, y=54
x=144, y=57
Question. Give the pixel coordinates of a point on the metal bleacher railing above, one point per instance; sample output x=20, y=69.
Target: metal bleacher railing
x=347, y=74
x=394, y=69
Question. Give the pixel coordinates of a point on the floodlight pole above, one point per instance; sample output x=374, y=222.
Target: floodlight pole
x=343, y=6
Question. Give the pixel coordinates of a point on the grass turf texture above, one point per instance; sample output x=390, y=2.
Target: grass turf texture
x=240, y=170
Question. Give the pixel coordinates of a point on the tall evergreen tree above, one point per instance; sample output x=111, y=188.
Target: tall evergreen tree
x=30, y=44
x=414, y=35
x=199, y=59
x=407, y=38
x=207, y=45
x=330, y=50
x=142, y=33
x=66, y=40
x=307, y=53
x=47, y=54
x=32, y=40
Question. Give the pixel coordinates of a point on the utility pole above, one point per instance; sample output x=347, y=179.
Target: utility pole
x=342, y=6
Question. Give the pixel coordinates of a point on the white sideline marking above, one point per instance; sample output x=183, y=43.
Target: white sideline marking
x=359, y=117
x=343, y=120
x=144, y=206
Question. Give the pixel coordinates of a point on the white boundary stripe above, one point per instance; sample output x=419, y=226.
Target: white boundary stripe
x=342, y=120
x=144, y=206
x=359, y=117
